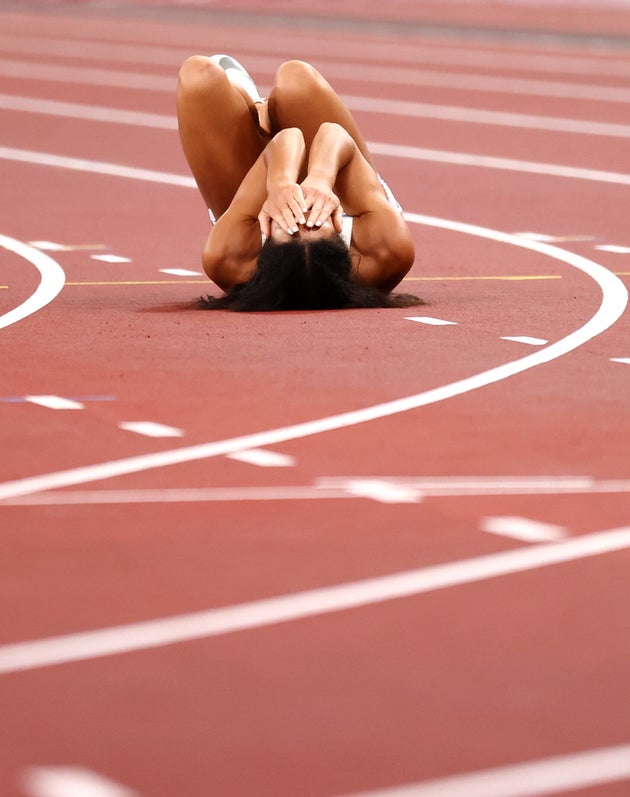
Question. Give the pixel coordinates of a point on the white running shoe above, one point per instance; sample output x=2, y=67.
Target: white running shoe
x=238, y=75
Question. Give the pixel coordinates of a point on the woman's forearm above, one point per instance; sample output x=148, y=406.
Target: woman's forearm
x=284, y=157
x=332, y=148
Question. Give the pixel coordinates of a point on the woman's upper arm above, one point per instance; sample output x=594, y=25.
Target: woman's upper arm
x=383, y=247
x=230, y=253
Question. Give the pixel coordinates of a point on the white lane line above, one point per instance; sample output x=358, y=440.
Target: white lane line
x=423, y=319
x=91, y=113
x=284, y=608
x=624, y=360
x=524, y=529
x=150, y=429
x=373, y=73
x=316, y=46
x=99, y=167
x=526, y=339
x=90, y=76
x=378, y=148
x=263, y=458
x=445, y=113
x=410, y=489
x=450, y=486
x=111, y=258
x=51, y=283
x=181, y=495
x=546, y=776
x=70, y=782
x=613, y=304
x=181, y=272
x=55, y=402
x=501, y=164
x=452, y=113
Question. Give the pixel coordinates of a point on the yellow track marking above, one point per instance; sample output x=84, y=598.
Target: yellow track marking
x=463, y=279
x=516, y=278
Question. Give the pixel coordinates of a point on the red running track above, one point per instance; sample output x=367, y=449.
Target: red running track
x=375, y=555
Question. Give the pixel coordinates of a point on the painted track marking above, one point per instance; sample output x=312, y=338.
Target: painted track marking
x=530, y=779
x=338, y=487
x=55, y=402
x=263, y=458
x=438, y=322
x=51, y=283
x=284, y=608
x=382, y=51
x=523, y=529
x=23, y=70
x=150, y=429
x=613, y=304
x=110, y=258
x=378, y=148
x=526, y=339
x=70, y=782
x=445, y=113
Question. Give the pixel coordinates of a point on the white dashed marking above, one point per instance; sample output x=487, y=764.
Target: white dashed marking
x=263, y=458
x=382, y=490
x=55, y=402
x=111, y=258
x=619, y=250
x=150, y=429
x=181, y=272
x=438, y=322
x=520, y=528
x=70, y=782
x=526, y=339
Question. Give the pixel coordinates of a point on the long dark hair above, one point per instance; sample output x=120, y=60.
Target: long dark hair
x=304, y=275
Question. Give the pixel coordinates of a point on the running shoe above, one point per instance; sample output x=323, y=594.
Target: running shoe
x=237, y=75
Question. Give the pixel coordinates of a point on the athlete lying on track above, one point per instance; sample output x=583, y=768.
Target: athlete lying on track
x=301, y=219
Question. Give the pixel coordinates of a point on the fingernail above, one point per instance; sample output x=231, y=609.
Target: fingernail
x=318, y=223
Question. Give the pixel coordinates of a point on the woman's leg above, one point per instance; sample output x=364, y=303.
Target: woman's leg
x=302, y=97
x=218, y=130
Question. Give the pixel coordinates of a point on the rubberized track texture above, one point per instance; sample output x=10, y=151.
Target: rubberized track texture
x=373, y=552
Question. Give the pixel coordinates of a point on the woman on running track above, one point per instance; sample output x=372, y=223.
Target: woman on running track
x=301, y=219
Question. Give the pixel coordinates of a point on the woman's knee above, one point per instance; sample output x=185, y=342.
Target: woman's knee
x=198, y=74
x=296, y=77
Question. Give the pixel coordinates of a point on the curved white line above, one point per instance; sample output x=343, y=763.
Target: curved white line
x=527, y=779
x=614, y=301
x=148, y=634
x=52, y=281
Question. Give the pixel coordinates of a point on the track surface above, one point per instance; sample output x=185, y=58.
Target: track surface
x=292, y=470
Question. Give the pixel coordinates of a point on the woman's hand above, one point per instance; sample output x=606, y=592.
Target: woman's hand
x=285, y=204
x=322, y=204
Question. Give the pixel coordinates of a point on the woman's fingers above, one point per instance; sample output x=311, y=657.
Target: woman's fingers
x=337, y=218
x=322, y=206
x=286, y=206
x=264, y=219
x=322, y=210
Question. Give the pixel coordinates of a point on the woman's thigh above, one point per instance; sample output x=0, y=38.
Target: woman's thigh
x=218, y=131
x=302, y=97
